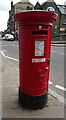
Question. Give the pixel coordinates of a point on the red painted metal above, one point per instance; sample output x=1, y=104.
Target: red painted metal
x=34, y=76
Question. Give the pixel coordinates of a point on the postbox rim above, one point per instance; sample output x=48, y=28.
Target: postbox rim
x=36, y=15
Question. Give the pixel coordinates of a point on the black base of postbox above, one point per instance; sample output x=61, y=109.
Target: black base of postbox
x=33, y=102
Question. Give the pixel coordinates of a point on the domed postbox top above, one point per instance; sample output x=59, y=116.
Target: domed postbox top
x=35, y=17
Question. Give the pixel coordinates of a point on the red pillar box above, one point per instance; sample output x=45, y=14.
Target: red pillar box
x=35, y=29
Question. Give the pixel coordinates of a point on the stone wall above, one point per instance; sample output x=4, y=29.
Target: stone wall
x=59, y=38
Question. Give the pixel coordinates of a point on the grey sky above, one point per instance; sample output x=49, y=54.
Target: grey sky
x=4, y=5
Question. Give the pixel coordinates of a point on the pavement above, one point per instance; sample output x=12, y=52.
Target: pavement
x=58, y=43
x=11, y=108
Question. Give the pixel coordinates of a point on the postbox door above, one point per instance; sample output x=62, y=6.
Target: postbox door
x=40, y=66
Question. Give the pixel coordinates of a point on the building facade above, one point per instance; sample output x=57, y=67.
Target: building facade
x=10, y=23
x=12, y=26
x=60, y=24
